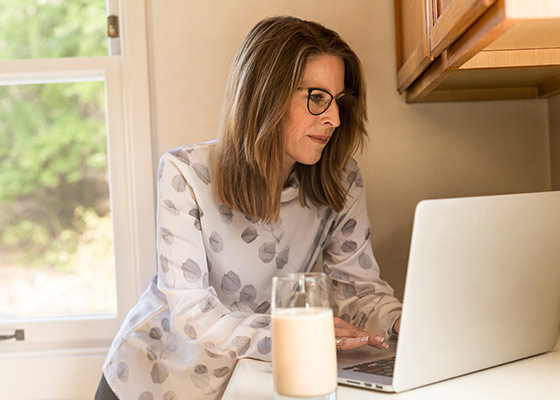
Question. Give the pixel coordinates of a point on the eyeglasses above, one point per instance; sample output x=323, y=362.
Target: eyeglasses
x=319, y=100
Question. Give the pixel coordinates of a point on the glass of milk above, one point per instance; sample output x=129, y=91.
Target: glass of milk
x=303, y=346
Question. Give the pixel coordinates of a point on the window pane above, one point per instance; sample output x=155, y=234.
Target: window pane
x=52, y=28
x=56, y=247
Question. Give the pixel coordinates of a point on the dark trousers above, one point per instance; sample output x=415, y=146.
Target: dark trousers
x=104, y=391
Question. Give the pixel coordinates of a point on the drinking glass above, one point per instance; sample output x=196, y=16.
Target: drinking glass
x=303, y=341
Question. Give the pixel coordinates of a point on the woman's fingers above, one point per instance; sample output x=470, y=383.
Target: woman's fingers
x=352, y=337
x=349, y=343
x=341, y=332
x=378, y=341
x=350, y=332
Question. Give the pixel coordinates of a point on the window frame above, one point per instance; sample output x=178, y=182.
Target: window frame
x=68, y=340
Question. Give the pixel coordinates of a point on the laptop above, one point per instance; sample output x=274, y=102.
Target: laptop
x=482, y=289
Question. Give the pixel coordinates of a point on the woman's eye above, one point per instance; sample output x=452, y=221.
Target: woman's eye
x=317, y=98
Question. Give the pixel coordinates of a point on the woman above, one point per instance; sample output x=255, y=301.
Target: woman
x=276, y=191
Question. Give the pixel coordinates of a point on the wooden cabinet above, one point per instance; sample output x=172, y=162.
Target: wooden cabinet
x=452, y=50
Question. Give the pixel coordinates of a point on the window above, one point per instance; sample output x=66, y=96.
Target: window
x=76, y=198
x=56, y=247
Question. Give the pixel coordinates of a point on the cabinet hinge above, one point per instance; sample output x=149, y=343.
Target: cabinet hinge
x=113, y=26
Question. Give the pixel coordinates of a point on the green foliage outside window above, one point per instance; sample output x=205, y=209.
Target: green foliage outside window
x=52, y=28
x=53, y=156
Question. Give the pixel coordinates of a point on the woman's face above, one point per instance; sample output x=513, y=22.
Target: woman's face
x=306, y=135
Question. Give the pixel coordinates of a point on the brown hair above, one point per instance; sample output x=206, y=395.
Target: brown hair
x=247, y=170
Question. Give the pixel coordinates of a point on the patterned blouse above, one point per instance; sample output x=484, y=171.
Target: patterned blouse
x=209, y=304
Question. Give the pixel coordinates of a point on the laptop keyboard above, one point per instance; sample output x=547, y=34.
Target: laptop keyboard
x=383, y=367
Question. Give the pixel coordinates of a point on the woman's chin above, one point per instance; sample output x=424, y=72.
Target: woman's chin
x=311, y=160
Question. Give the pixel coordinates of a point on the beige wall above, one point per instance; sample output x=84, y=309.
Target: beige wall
x=415, y=151
x=554, y=126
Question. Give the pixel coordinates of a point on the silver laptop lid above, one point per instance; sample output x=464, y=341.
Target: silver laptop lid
x=482, y=287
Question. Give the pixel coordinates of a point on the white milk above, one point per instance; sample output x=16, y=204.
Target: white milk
x=303, y=351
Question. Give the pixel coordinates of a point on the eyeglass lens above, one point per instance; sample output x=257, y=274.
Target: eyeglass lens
x=318, y=101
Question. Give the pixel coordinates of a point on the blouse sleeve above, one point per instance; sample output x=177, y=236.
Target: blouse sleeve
x=362, y=297
x=197, y=313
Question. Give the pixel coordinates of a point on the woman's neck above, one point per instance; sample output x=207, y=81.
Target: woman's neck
x=287, y=169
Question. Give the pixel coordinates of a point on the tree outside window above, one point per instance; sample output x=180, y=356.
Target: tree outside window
x=55, y=217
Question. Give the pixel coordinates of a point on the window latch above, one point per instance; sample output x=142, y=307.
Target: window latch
x=113, y=26
x=18, y=334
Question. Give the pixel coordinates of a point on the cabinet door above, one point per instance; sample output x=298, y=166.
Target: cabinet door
x=413, y=50
x=449, y=19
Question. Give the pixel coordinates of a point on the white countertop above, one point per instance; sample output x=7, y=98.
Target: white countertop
x=535, y=378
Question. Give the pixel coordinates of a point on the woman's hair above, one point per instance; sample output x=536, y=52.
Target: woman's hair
x=247, y=171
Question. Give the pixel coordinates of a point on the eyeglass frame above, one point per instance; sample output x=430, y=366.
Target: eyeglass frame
x=335, y=98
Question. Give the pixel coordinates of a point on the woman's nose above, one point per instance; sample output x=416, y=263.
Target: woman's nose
x=332, y=115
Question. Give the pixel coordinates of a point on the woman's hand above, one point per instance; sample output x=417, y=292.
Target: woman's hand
x=397, y=325
x=352, y=337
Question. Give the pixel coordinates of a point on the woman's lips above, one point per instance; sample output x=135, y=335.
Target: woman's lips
x=320, y=139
